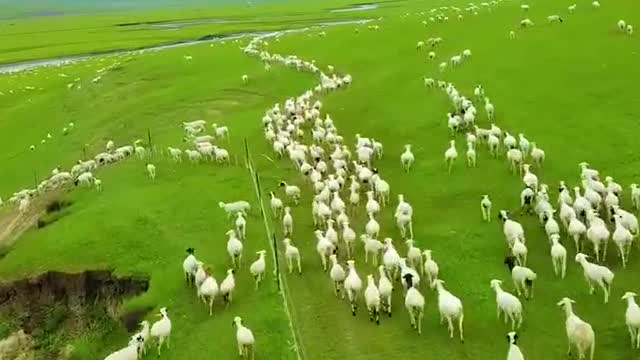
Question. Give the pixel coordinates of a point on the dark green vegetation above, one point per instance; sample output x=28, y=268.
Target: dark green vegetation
x=576, y=101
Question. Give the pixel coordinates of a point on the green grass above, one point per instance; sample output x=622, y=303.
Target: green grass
x=569, y=87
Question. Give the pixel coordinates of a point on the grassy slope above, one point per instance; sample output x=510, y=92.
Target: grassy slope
x=546, y=84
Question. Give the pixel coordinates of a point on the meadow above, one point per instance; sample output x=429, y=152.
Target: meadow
x=567, y=86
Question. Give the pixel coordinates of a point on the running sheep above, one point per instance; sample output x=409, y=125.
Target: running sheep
x=579, y=333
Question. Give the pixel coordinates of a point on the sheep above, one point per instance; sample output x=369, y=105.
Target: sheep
x=161, y=329
x=526, y=23
x=337, y=274
x=629, y=30
x=245, y=339
x=632, y=319
x=558, y=256
x=512, y=230
x=429, y=82
x=596, y=274
x=352, y=285
x=414, y=302
x=234, y=249
x=142, y=337
x=612, y=186
x=291, y=253
x=385, y=288
x=130, y=352
x=514, y=352
x=407, y=159
x=208, y=289
x=292, y=191
x=586, y=172
x=456, y=60
x=622, y=25
x=287, y=222
x=529, y=178
x=524, y=7
x=151, y=170
x=371, y=246
x=241, y=226
x=190, y=266
x=635, y=196
x=450, y=308
x=235, y=207
x=324, y=247
x=629, y=220
x=391, y=258
x=515, y=157
x=349, y=237
x=519, y=251
x=110, y=145
x=572, y=8
x=430, y=268
x=442, y=66
x=623, y=239
x=227, y=286
x=522, y=277
x=595, y=4
x=220, y=131
x=507, y=304
x=466, y=53
x=432, y=55
x=372, y=227
x=598, y=234
x=450, y=155
x=276, y=205
x=85, y=179
x=512, y=35
x=485, y=207
x=419, y=45
x=554, y=18
x=245, y=79
x=405, y=269
x=579, y=333
x=201, y=275
x=471, y=155
x=489, y=108
x=414, y=255
x=551, y=226
x=372, y=299
x=258, y=267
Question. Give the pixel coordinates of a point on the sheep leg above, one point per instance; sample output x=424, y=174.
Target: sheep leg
x=413, y=319
x=605, y=290
x=460, y=327
x=604, y=252
x=420, y=323
x=633, y=335
x=324, y=262
x=290, y=265
x=299, y=266
x=564, y=266
x=160, y=341
x=366, y=256
x=411, y=229
x=211, y=306
x=240, y=350
x=377, y=314
x=450, y=326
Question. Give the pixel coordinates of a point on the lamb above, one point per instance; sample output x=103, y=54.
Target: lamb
x=507, y=304
x=291, y=253
x=258, y=267
x=190, y=266
x=130, y=352
x=208, y=289
x=161, y=329
x=407, y=159
x=235, y=207
x=522, y=277
x=292, y=191
x=244, y=338
x=227, y=286
x=485, y=207
x=414, y=302
x=352, y=285
x=558, y=256
x=287, y=222
x=430, y=268
x=632, y=319
x=579, y=333
x=450, y=155
x=324, y=247
x=234, y=249
x=596, y=274
x=337, y=274
x=450, y=308
x=372, y=299
x=371, y=246
x=623, y=240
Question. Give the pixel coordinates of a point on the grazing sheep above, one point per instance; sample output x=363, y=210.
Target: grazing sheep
x=245, y=339
x=596, y=274
x=579, y=333
x=450, y=308
x=632, y=319
x=507, y=304
x=554, y=18
x=161, y=329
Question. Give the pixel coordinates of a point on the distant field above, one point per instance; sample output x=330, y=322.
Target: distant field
x=568, y=87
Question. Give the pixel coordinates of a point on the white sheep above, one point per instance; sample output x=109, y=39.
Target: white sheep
x=241, y=226
x=512, y=35
x=292, y=191
x=220, y=131
x=514, y=352
x=596, y=274
x=485, y=207
x=450, y=308
x=227, y=286
x=450, y=155
x=430, y=268
x=245, y=79
x=276, y=205
x=414, y=302
x=471, y=155
x=142, y=336
x=579, y=333
x=489, y=109
x=234, y=249
x=352, y=285
x=371, y=246
x=404, y=270
x=519, y=251
x=235, y=207
x=554, y=18
x=349, y=238
x=324, y=247
x=372, y=227
x=558, y=256
x=623, y=239
x=391, y=258
x=526, y=23
x=245, y=339
x=512, y=230
x=523, y=277
x=507, y=304
x=414, y=255
x=632, y=318
x=208, y=290
x=629, y=30
x=291, y=253
x=372, y=299
x=529, y=178
x=130, y=352
x=595, y=4
x=466, y=53
x=622, y=25
x=635, y=196
x=258, y=267
x=598, y=234
x=337, y=274
x=385, y=287
x=407, y=159
x=151, y=170
x=161, y=329
x=190, y=266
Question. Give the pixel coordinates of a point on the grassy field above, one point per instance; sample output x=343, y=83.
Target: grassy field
x=566, y=86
